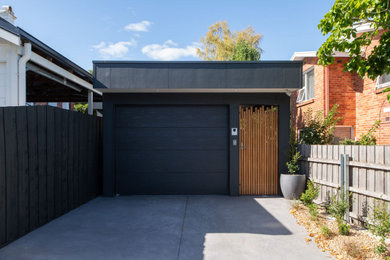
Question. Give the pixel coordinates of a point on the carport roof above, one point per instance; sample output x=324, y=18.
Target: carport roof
x=44, y=50
x=50, y=75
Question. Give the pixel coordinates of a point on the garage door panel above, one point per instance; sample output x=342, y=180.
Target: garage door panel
x=171, y=116
x=172, y=161
x=174, y=183
x=172, y=139
x=171, y=149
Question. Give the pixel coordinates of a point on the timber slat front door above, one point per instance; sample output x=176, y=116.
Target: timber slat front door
x=258, y=150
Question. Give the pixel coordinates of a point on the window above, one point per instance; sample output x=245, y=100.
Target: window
x=52, y=104
x=65, y=105
x=307, y=90
x=383, y=81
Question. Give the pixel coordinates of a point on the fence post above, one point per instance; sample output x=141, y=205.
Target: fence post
x=344, y=178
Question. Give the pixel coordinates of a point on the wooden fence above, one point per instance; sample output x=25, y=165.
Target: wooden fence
x=50, y=163
x=368, y=170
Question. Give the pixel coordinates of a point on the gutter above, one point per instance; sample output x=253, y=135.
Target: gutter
x=22, y=74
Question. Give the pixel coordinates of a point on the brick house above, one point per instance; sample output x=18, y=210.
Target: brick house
x=361, y=101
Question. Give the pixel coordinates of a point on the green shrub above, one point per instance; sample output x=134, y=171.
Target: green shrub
x=319, y=129
x=343, y=228
x=366, y=139
x=325, y=231
x=292, y=165
x=380, y=225
x=310, y=194
x=348, y=141
x=292, y=144
x=339, y=205
x=313, y=210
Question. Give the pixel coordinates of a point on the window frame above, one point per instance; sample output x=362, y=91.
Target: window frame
x=381, y=85
x=305, y=88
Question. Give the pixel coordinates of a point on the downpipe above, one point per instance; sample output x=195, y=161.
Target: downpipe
x=22, y=74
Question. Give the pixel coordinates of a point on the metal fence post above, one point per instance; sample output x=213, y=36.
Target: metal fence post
x=344, y=178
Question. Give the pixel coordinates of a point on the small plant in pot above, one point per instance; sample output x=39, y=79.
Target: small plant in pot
x=292, y=184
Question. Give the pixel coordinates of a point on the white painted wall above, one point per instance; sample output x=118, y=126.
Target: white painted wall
x=3, y=74
x=8, y=74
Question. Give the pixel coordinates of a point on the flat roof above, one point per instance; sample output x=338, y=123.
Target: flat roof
x=197, y=76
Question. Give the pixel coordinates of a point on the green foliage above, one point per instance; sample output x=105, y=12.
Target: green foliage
x=325, y=231
x=313, y=210
x=339, y=205
x=244, y=52
x=343, y=228
x=83, y=108
x=340, y=24
x=348, y=141
x=369, y=137
x=366, y=139
x=310, y=194
x=388, y=95
x=380, y=249
x=220, y=43
x=319, y=129
x=292, y=144
x=380, y=225
x=292, y=165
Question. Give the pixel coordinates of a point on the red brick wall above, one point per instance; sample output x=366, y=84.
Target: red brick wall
x=341, y=91
x=370, y=106
x=360, y=102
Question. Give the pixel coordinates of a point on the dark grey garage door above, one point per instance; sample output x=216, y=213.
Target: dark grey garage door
x=171, y=149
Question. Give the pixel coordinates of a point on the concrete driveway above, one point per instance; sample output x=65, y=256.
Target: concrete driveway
x=170, y=227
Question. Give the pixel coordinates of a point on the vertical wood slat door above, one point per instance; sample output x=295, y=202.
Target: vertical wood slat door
x=258, y=162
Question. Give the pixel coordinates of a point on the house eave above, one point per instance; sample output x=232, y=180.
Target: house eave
x=299, y=56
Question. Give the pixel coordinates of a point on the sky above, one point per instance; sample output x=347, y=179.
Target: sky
x=87, y=30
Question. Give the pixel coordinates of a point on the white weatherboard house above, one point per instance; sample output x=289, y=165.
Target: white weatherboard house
x=32, y=72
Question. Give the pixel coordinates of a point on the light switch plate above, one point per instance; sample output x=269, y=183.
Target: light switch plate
x=234, y=131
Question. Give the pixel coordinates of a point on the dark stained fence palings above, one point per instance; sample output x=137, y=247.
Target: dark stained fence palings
x=50, y=163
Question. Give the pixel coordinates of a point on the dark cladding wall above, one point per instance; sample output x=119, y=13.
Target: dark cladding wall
x=197, y=75
x=233, y=101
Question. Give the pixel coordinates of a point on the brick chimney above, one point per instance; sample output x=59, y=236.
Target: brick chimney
x=7, y=14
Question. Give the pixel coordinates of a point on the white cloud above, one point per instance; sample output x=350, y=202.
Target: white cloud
x=169, y=51
x=138, y=27
x=114, y=50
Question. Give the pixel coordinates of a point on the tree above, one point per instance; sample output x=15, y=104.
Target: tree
x=341, y=22
x=220, y=43
x=244, y=52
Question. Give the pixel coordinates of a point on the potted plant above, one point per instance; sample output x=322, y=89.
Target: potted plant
x=293, y=183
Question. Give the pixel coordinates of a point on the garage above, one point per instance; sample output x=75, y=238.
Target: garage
x=195, y=127
x=171, y=149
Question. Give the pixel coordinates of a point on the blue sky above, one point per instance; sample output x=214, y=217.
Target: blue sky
x=87, y=30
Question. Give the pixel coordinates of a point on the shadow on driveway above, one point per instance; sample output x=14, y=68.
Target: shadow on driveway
x=169, y=227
